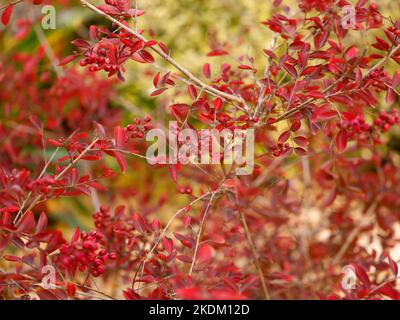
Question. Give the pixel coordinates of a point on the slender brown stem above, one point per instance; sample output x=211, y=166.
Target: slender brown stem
x=255, y=255
x=72, y=163
x=11, y=3
x=187, y=73
x=365, y=220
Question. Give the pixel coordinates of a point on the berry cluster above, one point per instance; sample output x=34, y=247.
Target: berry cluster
x=103, y=57
x=386, y=120
x=86, y=253
x=280, y=149
x=357, y=128
x=379, y=79
x=139, y=127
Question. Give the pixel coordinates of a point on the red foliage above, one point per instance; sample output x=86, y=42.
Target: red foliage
x=319, y=101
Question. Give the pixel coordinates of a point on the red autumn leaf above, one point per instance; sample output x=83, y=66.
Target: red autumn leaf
x=6, y=15
x=121, y=161
x=192, y=91
x=71, y=289
x=109, y=9
x=138, y=222
x=27, y=223
x=284, y=137
x=163, y=47
x=156, y=79
x=146, y=56
x=218, y=104
x=324, y=113
x=168, y=245
x=245, y=67
x=300, y=151
x=290, y=69
x=341, y=141
x=12, y=258
x=67, y=60
x=361, y=275
x=301, y=141
x=158, y=92
x=190, y=293
x=42, y=223
x=207, y=70
x=173, y=172
x=119, y=137
x=204, y=253
x=217, y=52
x=135, y=13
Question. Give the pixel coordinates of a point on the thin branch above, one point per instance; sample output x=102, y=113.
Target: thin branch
x=255, y=255
x=166, y=57
x=201, y=231
x=365, y=220
x=72, y=163
x=11, y=3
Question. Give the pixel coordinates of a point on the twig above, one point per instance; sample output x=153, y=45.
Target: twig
x=72, y=163
x=11, y=3
x=201, y=231
x=365, y=220
x=255, y=255
x=161, y=53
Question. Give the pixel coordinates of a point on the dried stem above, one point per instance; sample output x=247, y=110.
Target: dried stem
x=255, y=255
x=201, y=231
x=187, y=73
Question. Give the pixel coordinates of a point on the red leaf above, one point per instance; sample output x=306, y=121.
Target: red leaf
x=218, y=104
x=27, y=223
x=207, y=70
x=300, y=151
x=341, y=141
x=42, y=223
x=192, y=91
x=6, y=15
x=389, y=291
x=138, y=222
x=173, y=172
x=390, y=96
x=121, y=161
x=163, y=47
x=108, y=9
x=324, y=113
x=290, y=69
x=75, y=236
x=168, y=245
x=12, y=258
x=301, y=141
x=158, y=92
x=119, y=136
x=217, y=52
x=156, y=79
x=362, y=275
x=71, y=289
x=204, y=253
x=190, y=293
x=146, y=56
x=284, y=137
x=67, y=60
